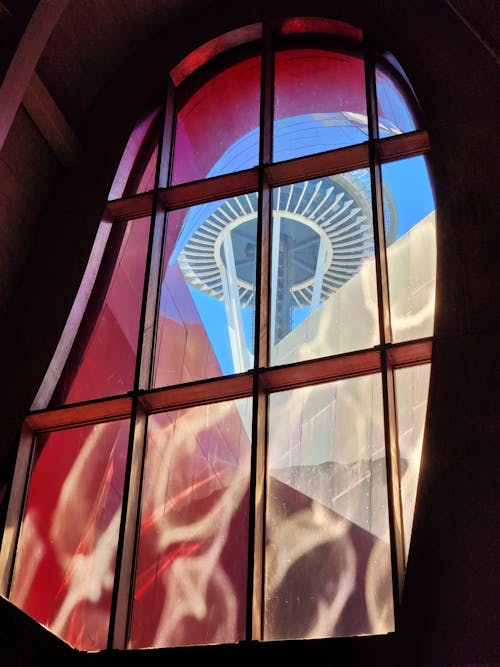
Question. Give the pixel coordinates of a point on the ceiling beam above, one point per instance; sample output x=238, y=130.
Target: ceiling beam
x=51, y=122
x=22, y=66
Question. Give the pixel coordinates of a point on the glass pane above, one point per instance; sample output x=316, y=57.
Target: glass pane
x=394, y=111
x=412, y=388
x=320, y=102
x=411, y=253
x=190, y=584
x=206, y=316
x=103, y=354
x=65, y=564
x=323, y=284
x=328, y=567
x=217, y=127
x=137, y=169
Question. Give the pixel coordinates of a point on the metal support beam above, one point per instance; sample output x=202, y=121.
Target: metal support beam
x=23, y=64
x=51, y=122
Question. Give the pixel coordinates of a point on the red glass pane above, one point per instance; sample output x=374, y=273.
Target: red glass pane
x=320, y=102
x=65, y=563
x=190, y=584
x=223, y=111
x=102, y=359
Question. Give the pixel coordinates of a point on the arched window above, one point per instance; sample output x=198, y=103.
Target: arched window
x=226, y=445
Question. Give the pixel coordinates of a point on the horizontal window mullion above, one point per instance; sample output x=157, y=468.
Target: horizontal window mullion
x=324, y=369
x=197, y=393
x=409, y=353
x=400, y=355
x=317, y=165
x=401, y=146
x=279, y=173
x=78, y=414
x=209, y=189
x=130, y=208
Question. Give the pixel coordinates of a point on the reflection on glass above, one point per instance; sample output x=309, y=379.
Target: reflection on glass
x=319, y=102
x=103, y=355
x=65, y=564
x=190, y=584
x=323, y=285
x=411, y=257
x=223, y=113
x=395, y=115
x=327, y=560
x=206, y=316
x=412, y=388
x=137, y=168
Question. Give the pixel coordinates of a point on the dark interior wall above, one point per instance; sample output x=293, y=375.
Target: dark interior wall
x=449, y=608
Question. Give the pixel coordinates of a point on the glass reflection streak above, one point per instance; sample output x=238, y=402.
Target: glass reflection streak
x=328, y=568
x=190, y=585
x=412, y=389
x=65, y=563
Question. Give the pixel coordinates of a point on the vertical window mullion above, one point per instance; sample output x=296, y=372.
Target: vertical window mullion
x=121, y=609
x=121, y=605
x=17, y=500
x=261, y=346
x=388, y=392
x=152, y=278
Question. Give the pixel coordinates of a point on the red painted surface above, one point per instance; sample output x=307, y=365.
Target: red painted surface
x=318, y=81
x=218, y=114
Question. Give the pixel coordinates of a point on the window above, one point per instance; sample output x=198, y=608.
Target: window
x=227, y=443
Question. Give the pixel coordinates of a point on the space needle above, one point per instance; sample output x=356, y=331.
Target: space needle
x=322, y=232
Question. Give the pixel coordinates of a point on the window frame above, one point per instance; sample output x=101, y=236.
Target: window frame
x=263, y=379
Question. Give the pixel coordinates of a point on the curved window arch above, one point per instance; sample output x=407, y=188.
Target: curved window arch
x=226, y=445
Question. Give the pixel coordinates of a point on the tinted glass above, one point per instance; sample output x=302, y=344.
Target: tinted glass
x=323, y=285
x=190, y=584
x=411, y=253
x=412, y=388
x=319, y=102
x=103, y=355
x=206, y=315
x=328, y=568
x=217, y=127
x=65, y=564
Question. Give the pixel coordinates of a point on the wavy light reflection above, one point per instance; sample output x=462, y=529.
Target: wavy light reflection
x=70, y=531
x=191, y=572
x=327, y=551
